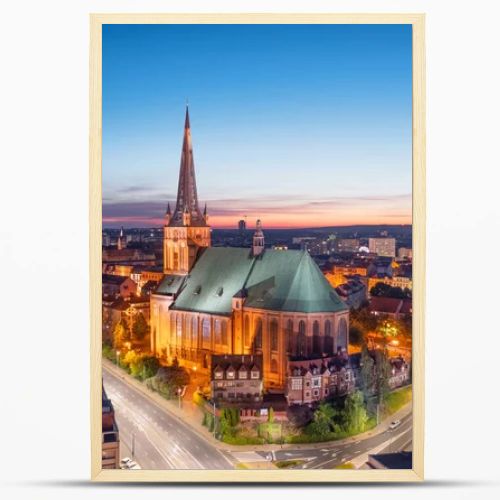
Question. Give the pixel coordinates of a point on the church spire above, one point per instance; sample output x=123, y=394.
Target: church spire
x=187, y=196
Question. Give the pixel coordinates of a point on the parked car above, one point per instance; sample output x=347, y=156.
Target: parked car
x=394, y=424
x=128, y=463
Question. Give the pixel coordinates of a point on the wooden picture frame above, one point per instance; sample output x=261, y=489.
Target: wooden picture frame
x=210, y=476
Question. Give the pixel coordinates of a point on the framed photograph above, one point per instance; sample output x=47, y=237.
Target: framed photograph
x=257, y=247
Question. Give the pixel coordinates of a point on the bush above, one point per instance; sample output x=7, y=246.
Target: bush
x=198, y=399
x=287, y=464
x=108, y=352
x=150, y=366
x=395, y=400
x=242, y=440
x=167, y=380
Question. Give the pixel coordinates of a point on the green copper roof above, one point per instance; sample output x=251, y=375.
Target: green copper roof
x=276, y=280
x=170, y=284
x=216, y=276
x=290, y=280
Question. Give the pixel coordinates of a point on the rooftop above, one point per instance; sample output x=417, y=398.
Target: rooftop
x=275, y=280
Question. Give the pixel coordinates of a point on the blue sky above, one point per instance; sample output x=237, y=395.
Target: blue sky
x=300, y=125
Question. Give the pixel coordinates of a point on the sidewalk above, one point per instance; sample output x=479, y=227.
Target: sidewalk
x=192, y=415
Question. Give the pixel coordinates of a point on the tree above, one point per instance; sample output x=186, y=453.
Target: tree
x=140, y=327
x=322, y=423
x=367, y=371
x=126, y=328
x=383, y=370
x=150, y=366
x=270, y=416
x=356, y=336
x=118, y=335
x=355, y=414
x=386, y=290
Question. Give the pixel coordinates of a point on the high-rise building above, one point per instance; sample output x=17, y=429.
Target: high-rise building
x=384, y=247
x=349, y=245
x=242, y=225
x=405, y=253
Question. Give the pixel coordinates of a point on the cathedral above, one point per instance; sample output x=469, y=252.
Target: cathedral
x=238, y=301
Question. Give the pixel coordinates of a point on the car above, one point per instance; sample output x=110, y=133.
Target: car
x=394, y=424
x=128, y=463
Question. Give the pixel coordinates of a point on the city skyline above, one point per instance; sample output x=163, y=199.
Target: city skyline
x=282, y=137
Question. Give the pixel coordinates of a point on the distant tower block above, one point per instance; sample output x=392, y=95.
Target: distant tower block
x=242, y=225
x=258, y=239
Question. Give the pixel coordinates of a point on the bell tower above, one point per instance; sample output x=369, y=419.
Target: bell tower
x=186, y=230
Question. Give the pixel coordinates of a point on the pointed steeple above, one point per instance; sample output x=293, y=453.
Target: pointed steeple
x=168, y=215
x=187, y=196
x=205, y=214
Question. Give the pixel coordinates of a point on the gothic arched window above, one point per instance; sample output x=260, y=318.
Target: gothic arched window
x=205, y=328
x=218, y=331
x=246, y=332
x=274, y=335
x=342, y=334
x=316, y=339
x=179, y=329
x=224, y=333
x=172, y=328
x=301, y=339
x=289, y=336
x=194, y=331
x=328, y=337
x=257, y=338
x=274, y=366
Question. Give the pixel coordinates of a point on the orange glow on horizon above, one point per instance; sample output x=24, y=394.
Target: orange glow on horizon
x=278, y=221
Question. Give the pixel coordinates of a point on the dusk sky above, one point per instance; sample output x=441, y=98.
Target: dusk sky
x=298, y=125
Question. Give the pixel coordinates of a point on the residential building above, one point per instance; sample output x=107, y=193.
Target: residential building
x=110, y=458
x=347, y=245
x=353, y=292
x=118, y=286
x=312, y=381
x=405, y=253
x=384, y=247
x=390, y=307
x=236, y=379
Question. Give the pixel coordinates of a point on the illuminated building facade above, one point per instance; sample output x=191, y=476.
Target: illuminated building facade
x=238, y=301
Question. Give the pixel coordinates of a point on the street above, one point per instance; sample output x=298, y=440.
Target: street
x=333, y=454
x=161, y=441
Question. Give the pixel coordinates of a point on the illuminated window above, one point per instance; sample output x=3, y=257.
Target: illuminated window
x=218, y=331
x=301, y=339
x=274, y=335
x=274, y=366
x=246, y=331
x=316, y=338
x=258, y=334
x=205, y=327
x=328, y=337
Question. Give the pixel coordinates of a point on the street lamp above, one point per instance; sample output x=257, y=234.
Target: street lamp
x=179, y=395
x=215, y=421
x=117, y=357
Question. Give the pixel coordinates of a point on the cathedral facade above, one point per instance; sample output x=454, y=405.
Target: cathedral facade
x=238, y=301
